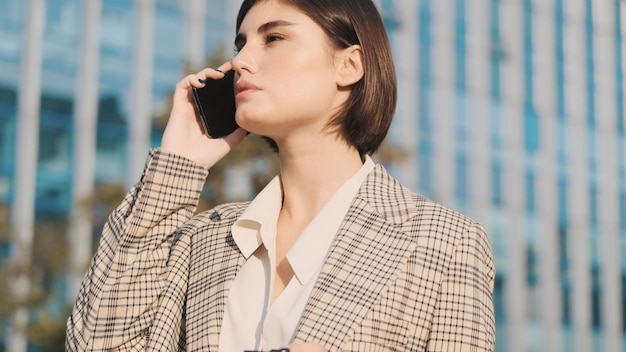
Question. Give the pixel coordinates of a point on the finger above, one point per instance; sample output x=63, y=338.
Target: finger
x=235, y=137
x=188, y=81
x=211, y=73
x=225, y=67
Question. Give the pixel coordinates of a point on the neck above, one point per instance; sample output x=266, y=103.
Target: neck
x=313, y=172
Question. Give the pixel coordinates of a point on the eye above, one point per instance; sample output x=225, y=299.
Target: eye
x=272, y=37
x=240, y=41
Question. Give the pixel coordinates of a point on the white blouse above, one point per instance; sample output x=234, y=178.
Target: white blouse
x=250, y=321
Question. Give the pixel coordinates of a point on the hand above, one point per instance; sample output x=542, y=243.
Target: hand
x=184, y=134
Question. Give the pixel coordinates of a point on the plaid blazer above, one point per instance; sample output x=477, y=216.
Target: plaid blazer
x=403, y=274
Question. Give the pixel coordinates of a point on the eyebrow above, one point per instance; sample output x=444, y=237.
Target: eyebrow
x=240, y=39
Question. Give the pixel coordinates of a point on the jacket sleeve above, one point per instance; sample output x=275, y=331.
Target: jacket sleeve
x=464, y=317
x=133, y=272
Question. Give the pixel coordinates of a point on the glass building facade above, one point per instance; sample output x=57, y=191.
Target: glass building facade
x=512, y=111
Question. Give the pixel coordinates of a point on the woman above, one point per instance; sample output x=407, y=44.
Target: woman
x=334, y=254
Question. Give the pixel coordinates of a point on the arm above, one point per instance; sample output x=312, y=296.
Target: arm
x=134, y=291
x=128, y=272
x=464, y=317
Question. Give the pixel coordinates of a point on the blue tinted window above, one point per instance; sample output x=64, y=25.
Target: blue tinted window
x=530, y=191
x=623, y=305
x=528, y=52
x=61, y=41
x=461, y=177
x=619, y=70
x=169, y=60
x=560, y=60
x=116, y=46
x=531, y=129
x=461, y=45
x=216, y=37
x=60, y=50
x=61, y=14
x=8, y=110
x=497, y=50
x=5, y=250
x=622, y=211
x=116, y=53
x=596, y=299
x=386, y=5
x=590, y=66
x=424, y=151
x=499, y=301
x=54, y=163
x=496, y=183
x=531, y=266
x=566, y=318
x=168, y=49
x=425, y=18
x=562, y=200
x=387, y=11
x=111, y=140
x=424, y=160
x=12, y=10
x=11, y=32
x=620, y=131
x=593, y=207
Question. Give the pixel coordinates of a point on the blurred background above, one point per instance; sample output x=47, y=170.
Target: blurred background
x=511, y=111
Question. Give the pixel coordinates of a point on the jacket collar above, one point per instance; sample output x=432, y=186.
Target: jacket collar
x=388, y=197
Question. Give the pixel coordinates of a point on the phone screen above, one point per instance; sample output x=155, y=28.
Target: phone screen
x=216, y=105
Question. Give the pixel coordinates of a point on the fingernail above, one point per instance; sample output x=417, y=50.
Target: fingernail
x=280, y=350
x=218, y=70
x=201, y=80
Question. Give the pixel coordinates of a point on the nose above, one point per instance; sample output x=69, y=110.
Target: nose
x=244, y=62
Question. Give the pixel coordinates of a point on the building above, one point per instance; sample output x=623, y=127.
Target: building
x=520, y=124
x=513, y=111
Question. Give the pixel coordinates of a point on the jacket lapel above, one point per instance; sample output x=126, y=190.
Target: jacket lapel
x=228, y=271
x=208, y=286
x=366, y=254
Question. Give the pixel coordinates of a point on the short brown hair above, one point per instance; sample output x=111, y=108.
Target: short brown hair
x=366, y=116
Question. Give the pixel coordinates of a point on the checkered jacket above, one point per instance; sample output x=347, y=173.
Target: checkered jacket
x=403, y=273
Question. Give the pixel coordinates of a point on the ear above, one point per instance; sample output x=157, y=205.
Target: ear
x=350, y=66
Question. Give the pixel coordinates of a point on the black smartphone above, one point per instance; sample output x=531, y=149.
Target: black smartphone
x=216, y=105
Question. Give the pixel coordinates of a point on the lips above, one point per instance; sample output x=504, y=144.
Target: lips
x=243, y=87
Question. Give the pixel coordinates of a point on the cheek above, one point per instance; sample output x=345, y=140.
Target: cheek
x=306, y=88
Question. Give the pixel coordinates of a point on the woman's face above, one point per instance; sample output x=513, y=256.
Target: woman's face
x=285, y=82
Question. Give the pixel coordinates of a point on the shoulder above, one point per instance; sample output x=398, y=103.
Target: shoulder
x=209, y=232
x=414, y=214
x=439, y=232
x=223, y=215
x=211, y=224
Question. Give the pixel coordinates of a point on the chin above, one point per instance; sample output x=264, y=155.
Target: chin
x=246, y=124
x=254, y=123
